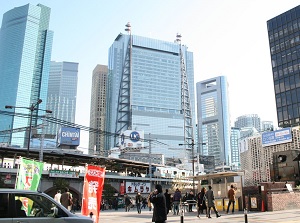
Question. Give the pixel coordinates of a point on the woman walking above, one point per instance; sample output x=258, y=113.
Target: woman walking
x=201, y=202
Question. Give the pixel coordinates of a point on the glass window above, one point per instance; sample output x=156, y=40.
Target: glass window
x=4, y=212
x=35, y=205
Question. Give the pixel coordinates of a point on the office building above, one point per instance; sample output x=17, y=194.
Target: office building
x=98, y=110
x=62, y=93
x=214, y=120
x=235, y=152
x=284, y=41
x=248, y=121
x=146, y=93
x=267, y=126
x=25, y=54
x=257, y=159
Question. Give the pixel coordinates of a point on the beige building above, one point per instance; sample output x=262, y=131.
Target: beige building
x=256, y=160
x=98, y=110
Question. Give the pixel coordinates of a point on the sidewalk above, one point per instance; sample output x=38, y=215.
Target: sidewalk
x=121, y=216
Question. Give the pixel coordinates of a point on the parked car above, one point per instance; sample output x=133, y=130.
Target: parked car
x=31, y=206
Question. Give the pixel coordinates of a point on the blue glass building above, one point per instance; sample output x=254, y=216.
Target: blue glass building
x=25, y=52
x=62, y=93
x=214, y=119
x=155, y=92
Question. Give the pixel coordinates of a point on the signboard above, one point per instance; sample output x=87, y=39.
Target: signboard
x=92, y=191
x=135, y=187
x=131, y=139
x=63, y=173
x=276, y=137
x=69, y=136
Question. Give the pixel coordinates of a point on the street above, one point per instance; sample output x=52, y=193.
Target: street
x=121, y=216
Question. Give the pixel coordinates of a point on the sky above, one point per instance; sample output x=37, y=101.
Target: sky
x=227, y=37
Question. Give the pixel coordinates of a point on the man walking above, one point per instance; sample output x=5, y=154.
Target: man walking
x=211, y=202
x=176, y=201
x=138, y=202
x=231, y=197
x=127, y=202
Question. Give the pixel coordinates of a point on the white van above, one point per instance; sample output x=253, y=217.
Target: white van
x=31, y=206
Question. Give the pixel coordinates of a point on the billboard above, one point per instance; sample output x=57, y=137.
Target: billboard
x=131, y=139
x=135, y=187
x=69, y=136
x=276, y=137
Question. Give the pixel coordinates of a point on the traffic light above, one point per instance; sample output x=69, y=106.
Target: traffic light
x=281, y=158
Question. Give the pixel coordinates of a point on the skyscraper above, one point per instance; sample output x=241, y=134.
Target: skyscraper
x=25, y=52
x=62, y=93
x=250, y=120
x=284, y=40
x=151, y=89
x=213, y=119
x=98, y=109
x=235, y=152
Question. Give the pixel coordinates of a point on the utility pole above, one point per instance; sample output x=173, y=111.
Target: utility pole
x=150, y=164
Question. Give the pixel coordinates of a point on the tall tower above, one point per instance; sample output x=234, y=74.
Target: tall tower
x=213, y=119
x=98, y=109
x=62, y=93
x=284, y=40
x=25, y=52
x=144, y=91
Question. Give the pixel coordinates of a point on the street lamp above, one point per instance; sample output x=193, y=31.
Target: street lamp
x=193, y=163
x=32, y=108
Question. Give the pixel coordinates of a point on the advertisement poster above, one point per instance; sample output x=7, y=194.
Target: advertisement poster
x=29, y=174
x=135, y=187
x=253, y=202
x=92, y=191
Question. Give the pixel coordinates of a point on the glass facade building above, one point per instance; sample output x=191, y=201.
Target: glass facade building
x=62, y=93
x=214, y=119
x=155, y=91
x=235, y=152
x=284, y=41
x=250, y=120
x=25, y=53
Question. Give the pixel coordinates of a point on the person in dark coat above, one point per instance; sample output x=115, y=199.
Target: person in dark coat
x=190, y=198
x=211, y=202
x=128, y=203
x=168, y=200
x=158, y=200
x=201, y=202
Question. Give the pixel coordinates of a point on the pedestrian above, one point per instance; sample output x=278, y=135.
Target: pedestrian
x=211, y=202
x=128, y=203
x=66, y=199
x=190, y=200
x=158, y=200
x=57, y=196
x=145, y=202
x=138, y=202
x=168, y=200
x=201, y=202
x=149, y=202
x=231, y=197
x=176, y=201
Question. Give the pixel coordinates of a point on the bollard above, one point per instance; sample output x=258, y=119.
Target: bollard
x=181, y=216
x=181, y=212
x=245, y=213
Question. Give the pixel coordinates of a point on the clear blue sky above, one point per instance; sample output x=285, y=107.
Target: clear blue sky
x=227, y=37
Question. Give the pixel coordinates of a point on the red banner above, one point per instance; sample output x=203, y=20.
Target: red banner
x=92, y=191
